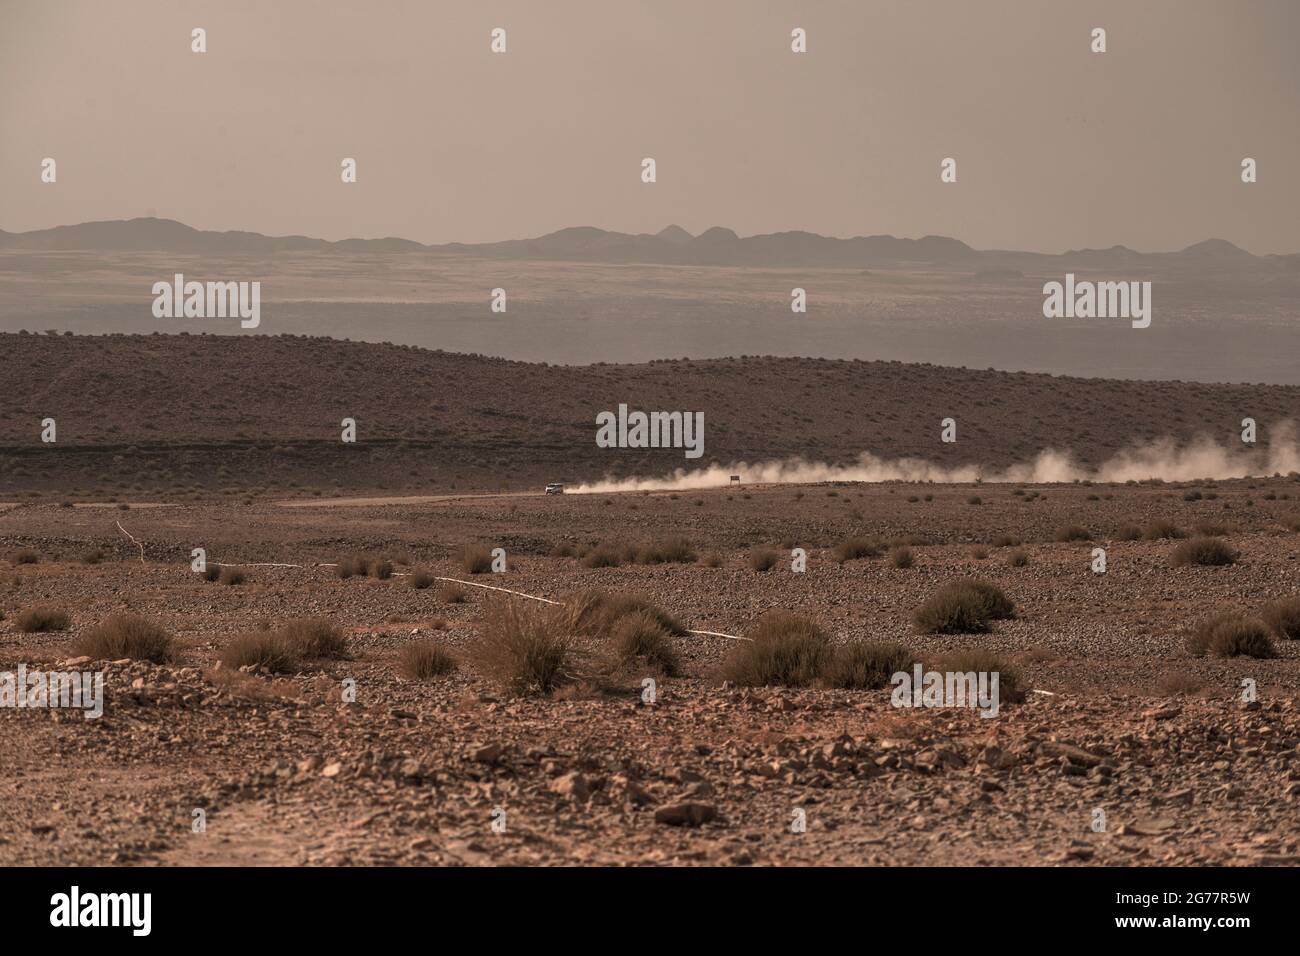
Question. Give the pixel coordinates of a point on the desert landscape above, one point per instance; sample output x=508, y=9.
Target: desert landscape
x=1109, y=705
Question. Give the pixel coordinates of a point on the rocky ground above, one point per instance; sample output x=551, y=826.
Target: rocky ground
x=1129, y=750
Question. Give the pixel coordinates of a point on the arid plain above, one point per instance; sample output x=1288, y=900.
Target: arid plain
x=360, y=750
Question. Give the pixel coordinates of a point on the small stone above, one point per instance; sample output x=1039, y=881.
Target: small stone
x=573, y=785
x=332, y=769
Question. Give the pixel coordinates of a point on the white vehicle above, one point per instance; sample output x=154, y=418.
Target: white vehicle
x=555, y=488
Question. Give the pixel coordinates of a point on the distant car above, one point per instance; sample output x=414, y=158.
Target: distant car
x=555, y=488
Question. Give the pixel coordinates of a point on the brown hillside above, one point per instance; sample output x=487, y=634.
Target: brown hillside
x=140, y=412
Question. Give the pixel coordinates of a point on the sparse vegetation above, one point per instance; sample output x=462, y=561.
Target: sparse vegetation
x=42, y=619
x=763, y=559
x=449, y=592
x=784, y=649
x=867, y=665
x=1230, y=634
x=231, y=576
x=901, y=557
x=425, y=660
x=978, y=660
x=25, y=556
x=315, y=638
x=640, y=635
x=1073, y=532
x=260, y=650
x=421, y=579
x=1283, y=618
x=595, y=613
x=476, y=559
x=528, y=648
x=963, y=607
x=1018, y=558
x=1162, y=530
x=1205, y=552
x=854, y=549
x=126, y=636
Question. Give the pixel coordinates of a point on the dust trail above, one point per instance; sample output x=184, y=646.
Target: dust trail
x=1164, y=458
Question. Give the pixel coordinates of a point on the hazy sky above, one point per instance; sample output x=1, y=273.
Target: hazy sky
x=1057, y=147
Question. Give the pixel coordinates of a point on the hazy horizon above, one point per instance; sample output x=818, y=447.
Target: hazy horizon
x=1058, y=148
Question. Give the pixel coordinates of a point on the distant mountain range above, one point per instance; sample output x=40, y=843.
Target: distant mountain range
x=672, y=245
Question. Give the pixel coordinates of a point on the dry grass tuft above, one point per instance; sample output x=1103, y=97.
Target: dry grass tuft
x=1203, y=552
x=126, y=636
x=867, y=665
x=42, y=619
x=425, y=660
x=1230, y=634
x=963, y=607
x=784, y=649
x=527, y=648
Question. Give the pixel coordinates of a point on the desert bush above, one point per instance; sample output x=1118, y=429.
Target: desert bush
x=126, y=635
x=1209, y=552
x=711, y=560
x=667, y=551
x=476, y=559
x=450, y=592
x=1017, y=559
x=1160, y=530
x=1073, y=532
x=979, y=552
x=527, y=648
x=1230, y=634
x=231, y=576
x=866, y=665
x=1283, y=618
x=639, y=635
x=315, y=638
x=963, y=607
x=349, y=566
x=421, y=579
x=25, y=556
x=594, y=613
x=265, y=650
x=785, y=649
x=602, y=556
x=854, y=549
x=763, y=559
x=425, y=660
x=380, y=569
x=92, y=557
x=41, y=619
x=212, y=572
x=1010, y=684
x=1210, y=530
x=901, y=557
x=1005, y=541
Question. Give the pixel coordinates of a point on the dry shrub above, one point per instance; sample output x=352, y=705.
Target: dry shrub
x=425, y=660
x=763, y=559
x=1161, y=530
x=901, y=558
x=1010, y=684
x=1283, y=617
x=1230, y=634
x=1130, y=532
x=126, y=636
x=1005, y=541
x=602, y=556
x=25, y=556
x=1210, y=530
x=421, y=580
x=1073, y=532
x=594, y=613
x=867, y=665
x=1017, y=559
x=854, y=549
x=231, y=576
x=1205, y=552
x=639, y=635
x=712, y=560
x=476, y=559
x=380, y=569
x=261, y=650
x=41, y=619
x=785, y=649
x=92, y=557
x=667, y=551
x=347, y=567
x=527, y=648
x=963, y=607
x=212, y=572
x=315, y=638
x=449, y=592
